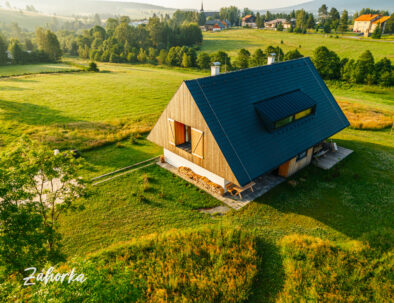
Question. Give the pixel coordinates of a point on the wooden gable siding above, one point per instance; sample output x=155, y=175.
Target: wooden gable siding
x=182, y=108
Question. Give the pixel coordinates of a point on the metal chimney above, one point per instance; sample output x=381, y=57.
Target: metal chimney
x=215, y=68
x=271, y=58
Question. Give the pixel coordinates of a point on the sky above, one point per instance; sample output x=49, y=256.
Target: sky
x=216, y=4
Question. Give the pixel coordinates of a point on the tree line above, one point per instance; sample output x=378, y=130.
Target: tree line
x=45, y=49
x=121, y=42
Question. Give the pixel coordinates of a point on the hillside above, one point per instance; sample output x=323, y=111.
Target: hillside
x=350, y=5
x=29, y=20
x=90, y=7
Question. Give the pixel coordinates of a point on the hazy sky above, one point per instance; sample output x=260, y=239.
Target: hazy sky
x=215, y=4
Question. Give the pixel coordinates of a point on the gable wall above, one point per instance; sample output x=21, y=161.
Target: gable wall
x=182, y=108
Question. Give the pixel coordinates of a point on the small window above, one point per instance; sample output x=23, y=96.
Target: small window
x=301, y=156
x=283, y=122
x=303, y=114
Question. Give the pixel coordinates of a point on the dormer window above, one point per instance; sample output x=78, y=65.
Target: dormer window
x=284, y=109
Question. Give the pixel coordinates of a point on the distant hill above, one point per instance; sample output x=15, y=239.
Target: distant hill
x=350, y=5
x=29, y=20
x=90, y=7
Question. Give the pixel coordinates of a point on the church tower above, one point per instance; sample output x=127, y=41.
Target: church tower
x=202, y=7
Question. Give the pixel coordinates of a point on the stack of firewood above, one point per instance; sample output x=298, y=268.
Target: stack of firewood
x=203, y=181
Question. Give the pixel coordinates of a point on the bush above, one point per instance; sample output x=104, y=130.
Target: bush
x=203, y=265
x=93, y=67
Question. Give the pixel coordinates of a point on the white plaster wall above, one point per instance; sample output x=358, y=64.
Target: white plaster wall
x=177, y=161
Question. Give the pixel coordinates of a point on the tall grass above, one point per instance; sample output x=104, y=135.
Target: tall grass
x=319, y=271
x=201, y=265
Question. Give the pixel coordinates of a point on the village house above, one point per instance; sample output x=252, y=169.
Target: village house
x=249, y=21
x=274, y=23
x=367, y=23
x=234, y=127
x=215, y=25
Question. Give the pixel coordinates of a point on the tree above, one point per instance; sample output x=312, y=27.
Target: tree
x=47, y=42
x=323, y=11
x=310, y=23
x=334, y=18
x=186, y=60
x=223, y=58
x=275, y=50
x=326, y=62
x=259, y=21
x=258, y=58
x=161, y=59
x=15, y=49
x=203, y=60
x=142, y=57
x=343, y=24
x=390, y=25
x=280, y=27
x=377, y=32
x=293, y=54
x=384, y=72
x=365, y=68
x=301, y=20
x=231, y=13
x=3, y=51
x=93, y=67
x=243, y=58
x=36, y=187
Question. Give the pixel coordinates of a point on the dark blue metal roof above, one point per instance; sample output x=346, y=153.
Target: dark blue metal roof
x=227, y=103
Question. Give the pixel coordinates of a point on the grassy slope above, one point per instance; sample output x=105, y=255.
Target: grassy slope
x=342, y=204
x=28, y=20
x=251, y=39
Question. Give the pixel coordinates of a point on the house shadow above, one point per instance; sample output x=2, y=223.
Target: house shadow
x=354, y=197
x=31, y=114
x=271, y=276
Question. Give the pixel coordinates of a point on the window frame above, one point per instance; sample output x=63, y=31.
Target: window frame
x=293, y=117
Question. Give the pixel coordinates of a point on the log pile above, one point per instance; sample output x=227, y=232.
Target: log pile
x=203, y=181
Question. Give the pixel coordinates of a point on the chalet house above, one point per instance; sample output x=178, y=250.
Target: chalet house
x=249, y=21
x=235, y=127
x=368, y=23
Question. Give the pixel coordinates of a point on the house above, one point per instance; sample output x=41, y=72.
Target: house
x=238, y=126
x=274, y=23
x=367, y=23
x=216, y=25
x=249, y=21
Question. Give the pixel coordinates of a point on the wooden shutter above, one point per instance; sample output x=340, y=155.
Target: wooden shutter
x=198, y=143
x=179, y=133
x=171, y=131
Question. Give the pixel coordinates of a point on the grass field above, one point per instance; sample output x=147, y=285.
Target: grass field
x=349, y=207
x=17, y=70
x=251, y=39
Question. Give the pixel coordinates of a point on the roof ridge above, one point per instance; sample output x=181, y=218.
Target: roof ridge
x=221, y=75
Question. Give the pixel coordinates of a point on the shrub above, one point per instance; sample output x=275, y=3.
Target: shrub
x=196, y=265
x=93, y=67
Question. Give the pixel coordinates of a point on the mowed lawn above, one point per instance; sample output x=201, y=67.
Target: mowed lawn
x=251, y=39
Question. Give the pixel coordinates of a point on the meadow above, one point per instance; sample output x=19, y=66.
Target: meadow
x=324, y=235
x=234, y=39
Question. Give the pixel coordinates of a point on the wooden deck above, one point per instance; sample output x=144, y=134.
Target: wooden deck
x=331, y=158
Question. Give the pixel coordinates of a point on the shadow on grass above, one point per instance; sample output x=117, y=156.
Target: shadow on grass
x=355, y=197
x=13, y=88
x=271, y=276
x=31, y=114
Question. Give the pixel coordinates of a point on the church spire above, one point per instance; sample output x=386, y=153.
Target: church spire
x=202, y=7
